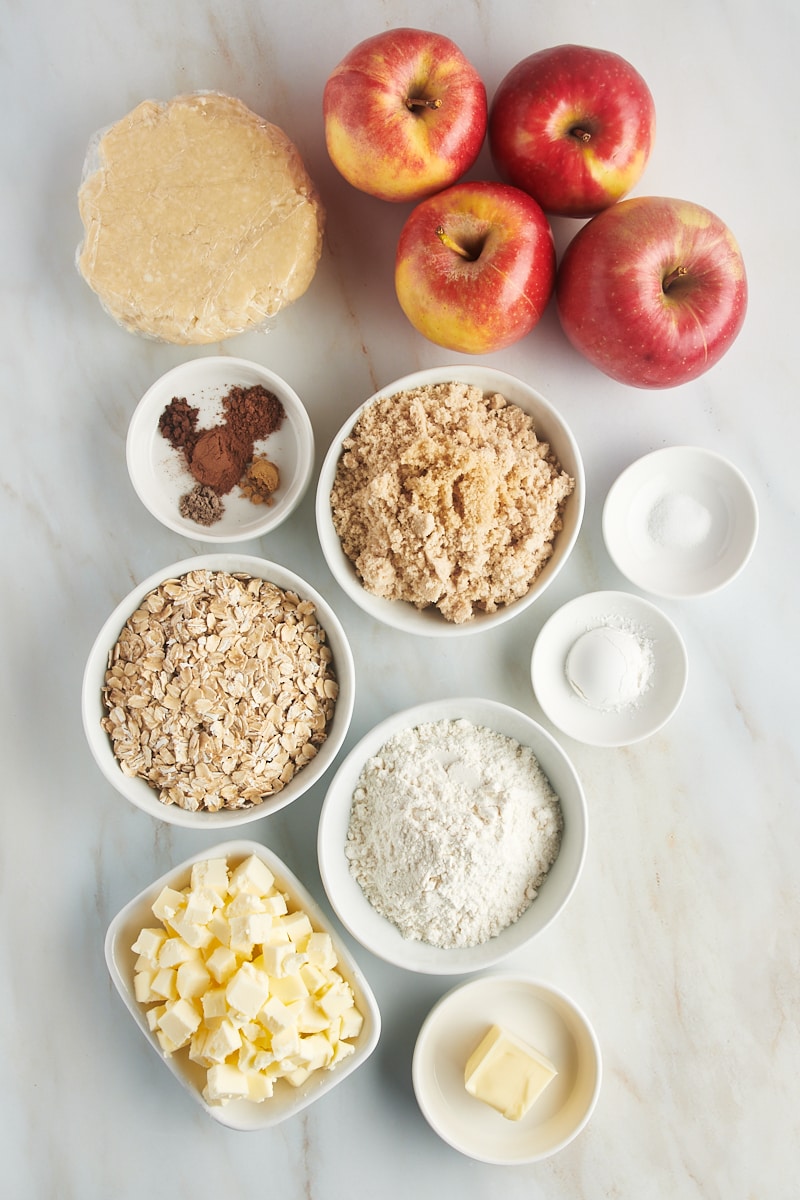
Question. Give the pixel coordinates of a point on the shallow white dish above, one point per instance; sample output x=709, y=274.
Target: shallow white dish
x=381, y=936
x=286, y=1101
x=680, y=522
x=573, y=715
x=540, y=1015
x=549, y=426
x=136, y=790
x=160, y=476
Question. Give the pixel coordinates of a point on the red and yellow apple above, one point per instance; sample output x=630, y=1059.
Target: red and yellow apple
x=573, y=126
x=653, y=291
x=475, y=266
x=405, y=114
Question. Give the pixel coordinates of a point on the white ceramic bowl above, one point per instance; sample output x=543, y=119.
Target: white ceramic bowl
x=381, y=936
x=160, y=476
x=136, y=790
x=286, y=1100
x=680, y=522
x=550, y=426
x=540, y=1015
x=624, y=725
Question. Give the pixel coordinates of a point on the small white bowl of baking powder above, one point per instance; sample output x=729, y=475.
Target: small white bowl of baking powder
x=439, y=826
x=680, y=522
x=609, y=668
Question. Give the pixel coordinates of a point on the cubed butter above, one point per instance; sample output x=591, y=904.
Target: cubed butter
x=244, y=903
x=167, y=904
x=225, y=1081
x=297, y=925
x=201, y=904
x=215, y=1003
x=247, y=990
x=250, y=930
x=192, y=979
x=176, y=951
x=143, y=987
x=506, y=1073
x=211, y=873
x=149, y=942
x=320, y=951
x=250, y=991
x=276, y=1015
x=289, y=988
x=251, y=875
x=179, y=1022
x=222, y=962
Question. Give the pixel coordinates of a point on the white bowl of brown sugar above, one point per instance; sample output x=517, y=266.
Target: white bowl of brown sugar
x=218, y=691
x=450, y=500
x=220, y=449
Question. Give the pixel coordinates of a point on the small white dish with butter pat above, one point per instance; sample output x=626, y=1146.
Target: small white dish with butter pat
x=609, y=668
x=541, y=1016
x=286, y=1100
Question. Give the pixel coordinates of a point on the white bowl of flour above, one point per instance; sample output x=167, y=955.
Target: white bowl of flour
x=451, y=835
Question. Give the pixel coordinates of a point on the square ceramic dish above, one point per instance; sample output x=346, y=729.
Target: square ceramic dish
x=286, y=1101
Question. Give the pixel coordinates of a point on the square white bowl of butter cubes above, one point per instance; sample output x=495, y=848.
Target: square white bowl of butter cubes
x=240, y=984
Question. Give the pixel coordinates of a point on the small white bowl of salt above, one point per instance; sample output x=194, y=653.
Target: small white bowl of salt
x=680, y=522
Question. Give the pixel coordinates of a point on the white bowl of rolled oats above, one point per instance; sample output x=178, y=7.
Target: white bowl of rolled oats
x=218, y=691
x=450, y=500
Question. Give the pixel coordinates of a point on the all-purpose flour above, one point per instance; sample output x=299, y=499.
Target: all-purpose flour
x=453, y=828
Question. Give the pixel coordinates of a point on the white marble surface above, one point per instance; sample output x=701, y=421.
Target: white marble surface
x=681, y=941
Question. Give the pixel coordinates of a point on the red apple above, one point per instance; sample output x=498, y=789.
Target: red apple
x=652, y=291
x=405, y=114
x=475, y=266
x=574, y=127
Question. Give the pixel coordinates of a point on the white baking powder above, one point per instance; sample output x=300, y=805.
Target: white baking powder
x=678, y=521
x=453, y=828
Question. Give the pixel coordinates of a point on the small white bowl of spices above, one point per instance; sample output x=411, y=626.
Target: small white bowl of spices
x=218, y=691
x=220, y=449
x=451, y=835
x=450, y=500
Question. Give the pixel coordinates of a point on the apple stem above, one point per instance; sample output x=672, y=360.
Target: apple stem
x=447, y=241
x=580, y=135
x=673, y=277
x=413, y=102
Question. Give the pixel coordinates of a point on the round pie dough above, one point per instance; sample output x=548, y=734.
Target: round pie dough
x=200, y=220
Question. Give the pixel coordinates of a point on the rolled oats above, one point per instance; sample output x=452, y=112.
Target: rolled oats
x=218, y=690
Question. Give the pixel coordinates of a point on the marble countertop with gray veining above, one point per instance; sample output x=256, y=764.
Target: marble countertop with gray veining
x=682, y=939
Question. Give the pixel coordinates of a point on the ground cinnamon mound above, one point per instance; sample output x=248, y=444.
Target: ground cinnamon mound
x=444, y=496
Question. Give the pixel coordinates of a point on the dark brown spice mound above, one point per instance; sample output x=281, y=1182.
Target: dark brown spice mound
x=178, y=424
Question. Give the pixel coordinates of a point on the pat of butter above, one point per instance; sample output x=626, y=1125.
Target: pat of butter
x=507, y=1074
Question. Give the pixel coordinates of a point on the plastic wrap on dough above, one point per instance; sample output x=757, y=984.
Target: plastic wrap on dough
x=200, y=220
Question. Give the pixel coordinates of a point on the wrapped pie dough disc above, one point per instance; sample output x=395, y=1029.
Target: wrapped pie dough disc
x=200, y=220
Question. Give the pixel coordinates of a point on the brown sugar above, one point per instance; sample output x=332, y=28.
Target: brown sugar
x=444, y=496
